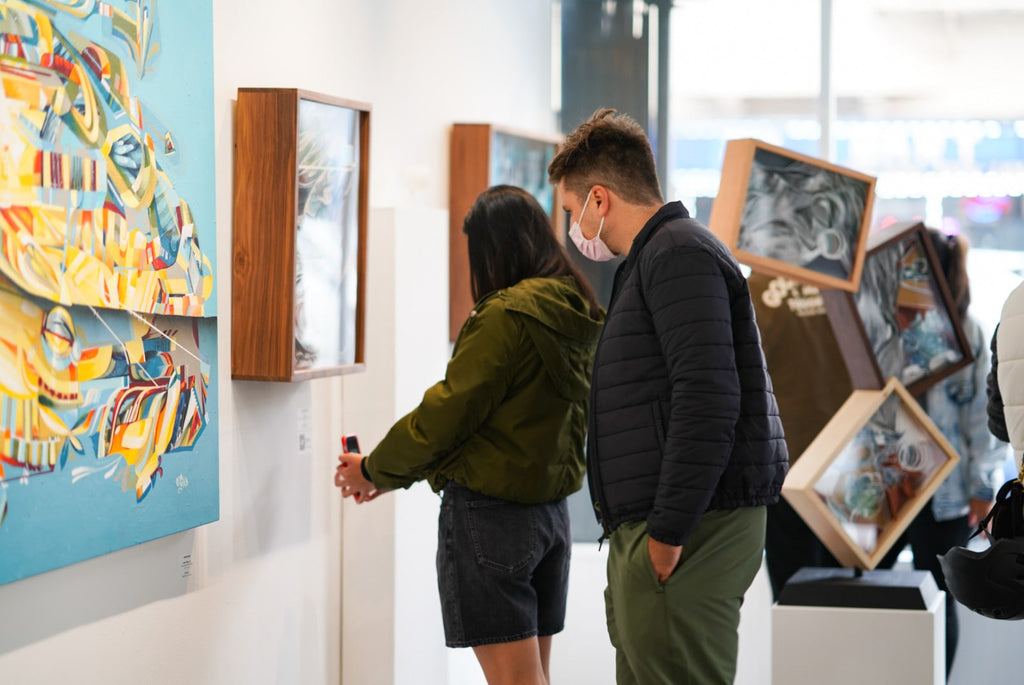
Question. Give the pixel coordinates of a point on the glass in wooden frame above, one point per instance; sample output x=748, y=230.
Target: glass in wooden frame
x=868, y=473
x=900, y=321
x=483, y=155
x=788, y=214
x=301, y=190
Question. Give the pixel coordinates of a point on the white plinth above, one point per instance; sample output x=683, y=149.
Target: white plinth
x=840, y=645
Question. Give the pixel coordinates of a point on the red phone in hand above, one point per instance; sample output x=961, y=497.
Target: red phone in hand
x=350, y=444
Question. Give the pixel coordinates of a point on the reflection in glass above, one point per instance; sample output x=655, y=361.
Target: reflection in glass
x=326, y=247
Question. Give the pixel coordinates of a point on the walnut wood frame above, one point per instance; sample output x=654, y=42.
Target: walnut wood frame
x=727, y=213
x=469, y=175
x=855, y=413
x=851, y=334
x=265, y=206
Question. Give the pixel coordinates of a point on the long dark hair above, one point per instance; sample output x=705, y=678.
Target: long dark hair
x=510, y=238
x=952, y=253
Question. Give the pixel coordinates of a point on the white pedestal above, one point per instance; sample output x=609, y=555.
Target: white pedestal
x=840, y=645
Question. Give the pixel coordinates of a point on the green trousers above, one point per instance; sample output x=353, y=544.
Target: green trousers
x=684, y=630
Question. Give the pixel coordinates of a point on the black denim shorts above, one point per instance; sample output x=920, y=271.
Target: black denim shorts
x=502, y=568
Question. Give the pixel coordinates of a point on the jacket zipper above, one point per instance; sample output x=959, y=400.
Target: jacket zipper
x=593, y=470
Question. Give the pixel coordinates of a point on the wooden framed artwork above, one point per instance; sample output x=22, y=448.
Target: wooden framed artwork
x=787, y=214
x=867, y=474
x=484, y=155
x=301, y=191
x=901, y=320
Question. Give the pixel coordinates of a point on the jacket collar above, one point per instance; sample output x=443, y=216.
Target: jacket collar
x=671, y=210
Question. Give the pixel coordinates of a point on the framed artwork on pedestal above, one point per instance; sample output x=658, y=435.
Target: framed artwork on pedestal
x=901, y=320
x=867, y=474
x=301, y=191
x=484, y=155
x=787, y=214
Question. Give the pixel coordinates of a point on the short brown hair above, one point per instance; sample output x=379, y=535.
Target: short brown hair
x=610, y=150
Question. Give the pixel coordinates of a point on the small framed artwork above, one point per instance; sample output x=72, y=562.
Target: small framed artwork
x=867, y=474
x=301, y=190
x=787, y=214
x=901, y=321
x=484, y=155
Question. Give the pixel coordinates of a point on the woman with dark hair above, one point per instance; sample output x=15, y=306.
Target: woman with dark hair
x=502, y=438
x=957, y=406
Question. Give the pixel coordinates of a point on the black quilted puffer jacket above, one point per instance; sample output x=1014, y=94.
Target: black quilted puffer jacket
x=683, y=418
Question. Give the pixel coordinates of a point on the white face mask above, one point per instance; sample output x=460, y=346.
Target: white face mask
x=594, y=248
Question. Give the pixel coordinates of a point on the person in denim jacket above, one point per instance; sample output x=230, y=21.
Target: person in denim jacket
x=957, y=406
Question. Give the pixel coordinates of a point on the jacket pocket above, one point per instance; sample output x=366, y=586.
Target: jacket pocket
x=504, y=534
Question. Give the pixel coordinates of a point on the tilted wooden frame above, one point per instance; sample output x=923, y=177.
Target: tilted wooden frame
x=855, y=429
x=266, y=317
x=474, y=167
x=900, y=322
x=788, y=214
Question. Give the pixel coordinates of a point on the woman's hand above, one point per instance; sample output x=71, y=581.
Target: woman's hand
x=349, y=477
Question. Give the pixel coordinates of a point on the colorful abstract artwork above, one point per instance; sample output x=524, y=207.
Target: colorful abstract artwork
x=108, y=337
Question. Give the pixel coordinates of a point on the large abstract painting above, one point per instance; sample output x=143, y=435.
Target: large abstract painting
x=108, y=340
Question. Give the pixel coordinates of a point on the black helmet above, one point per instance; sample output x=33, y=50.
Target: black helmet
x=991, y=582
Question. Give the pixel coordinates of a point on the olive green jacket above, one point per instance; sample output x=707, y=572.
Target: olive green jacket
x=509, y=419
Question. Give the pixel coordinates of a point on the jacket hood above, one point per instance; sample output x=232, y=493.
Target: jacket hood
x=556, y=317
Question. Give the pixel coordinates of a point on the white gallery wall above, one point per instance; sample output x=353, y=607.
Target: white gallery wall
x=257, y=597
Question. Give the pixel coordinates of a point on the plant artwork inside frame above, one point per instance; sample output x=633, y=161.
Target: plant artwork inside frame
x=327, y=236
x=867, y=474
x=878, y=472
x=904, y=313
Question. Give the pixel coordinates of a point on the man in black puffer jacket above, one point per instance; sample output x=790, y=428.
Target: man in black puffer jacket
x=685, y=445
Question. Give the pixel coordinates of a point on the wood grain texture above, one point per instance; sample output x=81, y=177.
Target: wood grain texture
x=469, y=175
x=265, y=207
x=263, y=273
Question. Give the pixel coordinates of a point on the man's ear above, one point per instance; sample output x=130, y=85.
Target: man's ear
x=600, y=197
